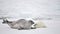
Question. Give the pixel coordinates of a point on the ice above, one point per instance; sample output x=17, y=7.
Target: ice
x=44, y=9
x=53, y=27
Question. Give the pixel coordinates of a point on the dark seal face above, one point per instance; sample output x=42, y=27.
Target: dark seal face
x=31, y=21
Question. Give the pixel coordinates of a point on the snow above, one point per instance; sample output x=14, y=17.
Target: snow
x=52, y=28
x=17, y=9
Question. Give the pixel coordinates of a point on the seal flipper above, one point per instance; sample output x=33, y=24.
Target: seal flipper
x=20, y=28
x=33, y=27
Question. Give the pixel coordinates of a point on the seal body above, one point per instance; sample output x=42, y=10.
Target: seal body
x=20, y=24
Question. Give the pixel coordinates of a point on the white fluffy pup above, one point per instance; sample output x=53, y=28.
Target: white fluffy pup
x=39, y=24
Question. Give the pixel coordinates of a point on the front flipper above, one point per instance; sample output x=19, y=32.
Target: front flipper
x=33, y=27
x=20, y=28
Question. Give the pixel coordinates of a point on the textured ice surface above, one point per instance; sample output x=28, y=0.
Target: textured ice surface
x=28, y=9
x=53, y=27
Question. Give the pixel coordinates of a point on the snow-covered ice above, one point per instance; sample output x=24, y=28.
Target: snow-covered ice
x=15, y=9
x=53, y=27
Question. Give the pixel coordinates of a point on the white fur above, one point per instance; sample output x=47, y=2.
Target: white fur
x=39, y=24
